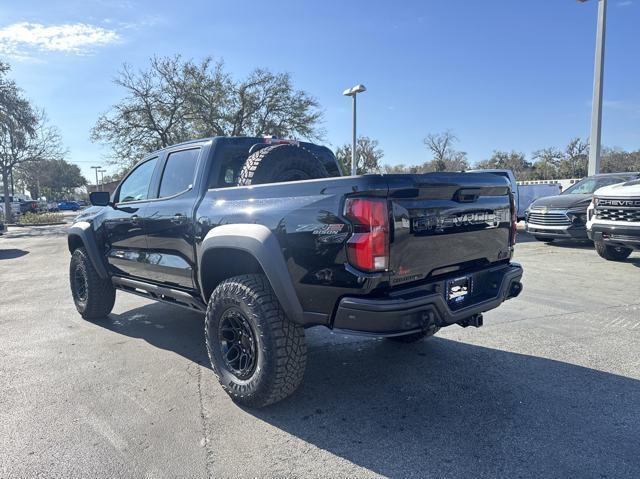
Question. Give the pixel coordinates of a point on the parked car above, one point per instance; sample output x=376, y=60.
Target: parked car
x=3, y=228
x=265, y=239
x=68, y=206
x=614, y=220
x=524, y=194
x=564, y=216
x=52, y=206
x=20, y=205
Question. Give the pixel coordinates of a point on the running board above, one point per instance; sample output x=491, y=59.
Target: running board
x=159, y=293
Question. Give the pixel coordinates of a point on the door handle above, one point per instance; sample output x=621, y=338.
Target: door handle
x=136, y=220
x=178, y=218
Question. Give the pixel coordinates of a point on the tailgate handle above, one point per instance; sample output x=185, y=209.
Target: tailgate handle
x=467, y=195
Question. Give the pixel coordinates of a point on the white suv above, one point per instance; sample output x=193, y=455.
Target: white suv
x=613, y=220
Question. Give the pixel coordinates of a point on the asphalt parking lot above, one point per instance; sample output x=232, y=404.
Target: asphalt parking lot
x=549, y=387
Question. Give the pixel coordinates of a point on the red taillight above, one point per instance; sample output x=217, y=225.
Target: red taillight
x=514, y=220
x=368, y=247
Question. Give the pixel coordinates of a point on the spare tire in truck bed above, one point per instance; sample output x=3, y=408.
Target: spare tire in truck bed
x=277, y=163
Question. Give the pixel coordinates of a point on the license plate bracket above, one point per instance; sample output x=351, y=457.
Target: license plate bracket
x=458, y=289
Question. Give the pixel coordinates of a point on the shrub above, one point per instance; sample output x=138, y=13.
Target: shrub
x=40, y=219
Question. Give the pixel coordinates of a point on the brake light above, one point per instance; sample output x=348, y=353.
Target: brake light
x=368, y=247
x=270, y=140
x=514, y=220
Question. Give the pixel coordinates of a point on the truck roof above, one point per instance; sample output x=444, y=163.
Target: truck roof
x=258, y=139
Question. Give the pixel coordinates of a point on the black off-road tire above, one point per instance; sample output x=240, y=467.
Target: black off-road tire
x=414, y=337
x=543, y=239
x=93, y=296
x=612, y=253
x=279, y=343
x=278, y=163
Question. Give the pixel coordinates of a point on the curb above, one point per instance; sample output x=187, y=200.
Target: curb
x=20, y=225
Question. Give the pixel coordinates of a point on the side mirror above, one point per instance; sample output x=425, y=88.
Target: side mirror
x=99, y=198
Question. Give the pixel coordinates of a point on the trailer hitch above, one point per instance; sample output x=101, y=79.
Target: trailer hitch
x=476, y=321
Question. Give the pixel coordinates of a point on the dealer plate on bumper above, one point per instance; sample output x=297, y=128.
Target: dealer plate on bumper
x=458, y=289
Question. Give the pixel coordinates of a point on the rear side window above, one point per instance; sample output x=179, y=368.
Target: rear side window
x=179, y=172
x=231, y=158
x=135, y=187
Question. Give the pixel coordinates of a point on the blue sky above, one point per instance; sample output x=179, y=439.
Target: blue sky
x=502, y=74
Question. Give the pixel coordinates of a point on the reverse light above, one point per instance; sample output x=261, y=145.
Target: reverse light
x=368, y=247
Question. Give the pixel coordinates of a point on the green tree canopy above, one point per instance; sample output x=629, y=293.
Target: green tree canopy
x=174, y=100
x=369, y=156
x=512, y=160
x=25, y=135
x=54, y=179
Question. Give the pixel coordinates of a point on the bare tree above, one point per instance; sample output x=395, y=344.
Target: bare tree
x=369, y=156
x=445, y=157
x=153, y=115
x=175, y=100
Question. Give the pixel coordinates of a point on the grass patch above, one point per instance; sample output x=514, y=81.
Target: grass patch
x=40, y=219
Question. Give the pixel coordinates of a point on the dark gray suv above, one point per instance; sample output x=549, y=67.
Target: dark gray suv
x=564, y=216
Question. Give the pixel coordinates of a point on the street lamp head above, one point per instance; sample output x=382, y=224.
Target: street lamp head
x=354, y=90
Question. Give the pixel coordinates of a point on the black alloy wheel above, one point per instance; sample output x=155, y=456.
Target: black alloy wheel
x=80, y=283
x=237, y=343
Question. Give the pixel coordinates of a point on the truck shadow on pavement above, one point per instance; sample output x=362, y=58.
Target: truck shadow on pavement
x=12, y=253
x=437, y=408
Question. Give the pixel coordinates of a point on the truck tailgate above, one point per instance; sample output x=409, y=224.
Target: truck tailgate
x=447, y=222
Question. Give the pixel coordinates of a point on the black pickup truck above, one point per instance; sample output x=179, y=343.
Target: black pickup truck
x=398, y=256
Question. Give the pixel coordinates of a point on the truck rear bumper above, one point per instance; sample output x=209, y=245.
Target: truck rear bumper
x=421, y=308
x=616, y=235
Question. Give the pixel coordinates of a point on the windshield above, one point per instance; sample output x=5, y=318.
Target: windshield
x=589, y=185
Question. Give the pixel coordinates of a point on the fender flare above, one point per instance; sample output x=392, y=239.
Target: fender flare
x=84, y=231
x=262, y=244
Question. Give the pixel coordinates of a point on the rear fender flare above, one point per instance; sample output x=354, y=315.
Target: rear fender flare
x=262, y=244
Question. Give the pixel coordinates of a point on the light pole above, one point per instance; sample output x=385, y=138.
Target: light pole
x=96, y=168
x=352, y=92
x=596, y=107
x=102, y=172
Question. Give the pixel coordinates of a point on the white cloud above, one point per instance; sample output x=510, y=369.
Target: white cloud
x=626, y=3
x=21, y=39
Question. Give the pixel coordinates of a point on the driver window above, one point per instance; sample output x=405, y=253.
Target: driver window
x=136, y=186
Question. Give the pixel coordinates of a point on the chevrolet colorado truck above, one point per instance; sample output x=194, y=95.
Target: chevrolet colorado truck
x=614, y=220
x=202, y=225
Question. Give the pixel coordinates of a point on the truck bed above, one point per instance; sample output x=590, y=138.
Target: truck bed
x=441, y=223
